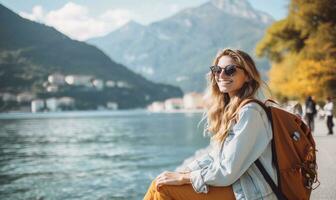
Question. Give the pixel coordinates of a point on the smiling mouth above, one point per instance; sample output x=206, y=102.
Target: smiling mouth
x=224, y=82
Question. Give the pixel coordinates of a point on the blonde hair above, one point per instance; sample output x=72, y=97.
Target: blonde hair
x=221, y=111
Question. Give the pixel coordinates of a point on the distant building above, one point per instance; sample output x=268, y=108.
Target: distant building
x=112, y=105
x=110, y=83
x=56, y=79
x=51, y=104
x=156, y=106
x=79, y=80
x=193, y=100
x=123, y=84
x=65, y=103
x=52, y=88
x=45, y=84
x=68, y=101
x=25, y=97
x=37, y=105
x=173, y=104
x=98, y=84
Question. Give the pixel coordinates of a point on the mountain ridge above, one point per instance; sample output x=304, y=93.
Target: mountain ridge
x=178, y=49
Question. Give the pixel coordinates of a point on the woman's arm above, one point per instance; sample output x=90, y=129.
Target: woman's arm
x=199, y=163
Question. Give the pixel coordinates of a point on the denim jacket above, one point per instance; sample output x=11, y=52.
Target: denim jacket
x=233, y=162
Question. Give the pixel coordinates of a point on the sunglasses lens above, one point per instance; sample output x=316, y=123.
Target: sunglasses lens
x=230, y=70
x=216, y=69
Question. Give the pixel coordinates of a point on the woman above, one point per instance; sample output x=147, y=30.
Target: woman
x=241, y=134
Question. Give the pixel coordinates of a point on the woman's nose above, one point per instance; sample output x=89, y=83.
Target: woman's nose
x=222, y=73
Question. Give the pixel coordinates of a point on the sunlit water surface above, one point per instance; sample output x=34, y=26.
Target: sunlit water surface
x=92, y=155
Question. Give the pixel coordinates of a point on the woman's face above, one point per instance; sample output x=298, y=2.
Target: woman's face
x=230, y=84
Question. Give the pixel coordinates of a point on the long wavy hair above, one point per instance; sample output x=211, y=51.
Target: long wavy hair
x=221, y=110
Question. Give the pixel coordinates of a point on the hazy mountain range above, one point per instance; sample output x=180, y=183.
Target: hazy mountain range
x=30, y=51
x=179, y=50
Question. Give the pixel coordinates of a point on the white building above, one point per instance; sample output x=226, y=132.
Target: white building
x=156, y=106
x=193, y=100
x=110, y=83
x=112, y=105
x=56, y=79
x=66, y=101
x=52, y=88
x=51, y=104
x=173, y=104
x=98, y=84
x=79, y=80
x=123, y=84
x=25, y=97
x=37, y=105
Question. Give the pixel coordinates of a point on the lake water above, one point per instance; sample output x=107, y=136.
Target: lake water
x=92, y=155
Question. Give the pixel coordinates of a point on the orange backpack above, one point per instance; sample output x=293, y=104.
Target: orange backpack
x=293, y=153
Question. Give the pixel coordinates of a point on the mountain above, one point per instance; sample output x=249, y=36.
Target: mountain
x=179, y=49
x=30, y=51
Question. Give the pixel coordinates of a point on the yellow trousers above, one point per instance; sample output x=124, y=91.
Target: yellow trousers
x=186, y=192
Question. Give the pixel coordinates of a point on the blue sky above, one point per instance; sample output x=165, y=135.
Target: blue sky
x=83, y=19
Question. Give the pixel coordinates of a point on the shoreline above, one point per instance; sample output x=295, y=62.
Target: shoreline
x=90, y=113
x=179, y=111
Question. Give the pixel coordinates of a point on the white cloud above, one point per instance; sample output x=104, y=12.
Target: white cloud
x=75, y=21
x=119, y=16
x=174, y=8
x=36, y=15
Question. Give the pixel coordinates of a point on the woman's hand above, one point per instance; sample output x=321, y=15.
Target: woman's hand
x=172, y=178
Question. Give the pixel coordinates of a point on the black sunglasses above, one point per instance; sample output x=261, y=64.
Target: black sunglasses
x=229, y=70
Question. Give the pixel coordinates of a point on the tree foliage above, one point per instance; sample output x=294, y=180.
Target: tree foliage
x=302, y=48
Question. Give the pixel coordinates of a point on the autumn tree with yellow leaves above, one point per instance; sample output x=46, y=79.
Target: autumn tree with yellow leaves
x=302, y=48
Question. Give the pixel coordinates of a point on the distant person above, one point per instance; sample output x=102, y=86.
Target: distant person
x=297, y=109
x=328, y=110
x=310, y=112
x=242, y=133
x=294, y=108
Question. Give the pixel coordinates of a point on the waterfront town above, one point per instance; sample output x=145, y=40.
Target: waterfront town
x=30, y=103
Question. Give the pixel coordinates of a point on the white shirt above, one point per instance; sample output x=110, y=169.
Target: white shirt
x=328, y=108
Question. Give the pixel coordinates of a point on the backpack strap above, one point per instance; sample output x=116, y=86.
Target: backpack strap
x=276, y=189
x=263, y=105
x=270, y=181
